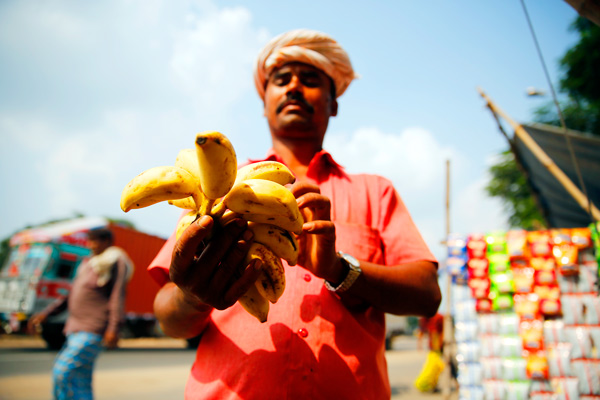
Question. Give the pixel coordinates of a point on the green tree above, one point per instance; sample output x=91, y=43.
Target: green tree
x=580, y=110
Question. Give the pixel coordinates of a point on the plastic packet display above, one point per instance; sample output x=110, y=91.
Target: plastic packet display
x=517, y=390
x=566, y=258
x=527, y=306
x=559, y=359
x=581, y=342
x=516, y=244
x=565, y=388
x=532, y=333
x=539, y=243
x=469, y=374
x=591, y=305
x=456, y=265
x=542, y=263
x=488, y=323
x=511, y=346
x=464, y=310
x=471, y=393
x=466, y=331
x=544, y=277
x=457, y=245
x=480, y=287
x=492, y=368
x=476, y=246
x=508, y=324
x=588, y=374
x=478, y=268
x=514, y=369
x=501, y=301
x=468, y=351
x=537, y=365
x=581, y=237
x=494, y=390
x=554, y=331
x=498, y=262
x=496, y=243
x=491, y=346
x=523, y=278
x=574, y=309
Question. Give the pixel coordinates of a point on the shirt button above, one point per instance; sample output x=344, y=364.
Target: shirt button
x=307, y=277
x=302, y=332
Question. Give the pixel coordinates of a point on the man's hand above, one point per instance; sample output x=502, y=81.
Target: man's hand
x=317, y=241
x=111, y=340
x=35, y=322
x=208, y=263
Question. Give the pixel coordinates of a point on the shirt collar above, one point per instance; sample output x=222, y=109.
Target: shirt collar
x=321, y=165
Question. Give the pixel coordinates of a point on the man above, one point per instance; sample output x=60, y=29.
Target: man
x=325, y=337
x=96, y=312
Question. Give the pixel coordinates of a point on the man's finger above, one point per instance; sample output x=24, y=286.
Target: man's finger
x=186, y=247
x=300, y=188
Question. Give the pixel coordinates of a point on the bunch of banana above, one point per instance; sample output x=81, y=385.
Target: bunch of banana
x=206, y=181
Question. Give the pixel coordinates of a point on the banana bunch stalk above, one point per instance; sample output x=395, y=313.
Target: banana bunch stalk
x=206, y=181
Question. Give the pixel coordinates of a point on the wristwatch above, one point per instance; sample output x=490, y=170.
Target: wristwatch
x=354, y=272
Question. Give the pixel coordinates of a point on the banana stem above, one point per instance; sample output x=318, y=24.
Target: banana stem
x=206, y=206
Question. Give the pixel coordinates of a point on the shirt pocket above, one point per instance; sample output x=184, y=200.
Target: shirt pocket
x=360, y=241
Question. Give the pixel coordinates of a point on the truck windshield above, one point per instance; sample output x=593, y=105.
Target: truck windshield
x=26, y=261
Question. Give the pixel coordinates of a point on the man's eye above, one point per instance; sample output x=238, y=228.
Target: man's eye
x=280, y=80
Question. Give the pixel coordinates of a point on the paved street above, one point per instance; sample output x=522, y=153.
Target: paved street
x=132, y=372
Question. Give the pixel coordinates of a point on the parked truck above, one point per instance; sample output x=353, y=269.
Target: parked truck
x=43, y=261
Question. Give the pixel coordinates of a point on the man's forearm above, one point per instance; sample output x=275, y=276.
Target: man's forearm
x=408, y=289
x=177, y=317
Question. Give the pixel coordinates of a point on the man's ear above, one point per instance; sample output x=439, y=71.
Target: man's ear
x=334, y=108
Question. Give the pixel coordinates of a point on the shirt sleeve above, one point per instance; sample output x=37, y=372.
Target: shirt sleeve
x=401, y=239
x=159, y=267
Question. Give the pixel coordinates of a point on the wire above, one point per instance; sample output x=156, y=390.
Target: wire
x=559, y=111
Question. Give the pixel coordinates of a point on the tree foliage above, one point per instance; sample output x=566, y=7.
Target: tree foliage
x=581, y=111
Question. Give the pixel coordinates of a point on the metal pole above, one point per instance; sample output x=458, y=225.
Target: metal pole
x=448, y=328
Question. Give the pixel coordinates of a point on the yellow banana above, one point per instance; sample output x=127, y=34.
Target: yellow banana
x=217, y=166
x=188, y=160
x=255, y=304
x=260, y=196
x=271, y=281
x=280, y=241
x=287, y=223
x=184, y=222
x=158, y=184
x=187, y=203
x=269, y=170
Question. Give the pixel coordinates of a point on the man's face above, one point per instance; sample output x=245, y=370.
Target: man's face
x=298, y=101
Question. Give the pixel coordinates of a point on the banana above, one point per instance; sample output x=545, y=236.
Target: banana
x=289, y=224
x=158, y=184
x=255, y=304
x=271, y=281
x=280, y=241
x=260, y=196
x=269, y=170
x=184, y=222
x=186, y=203
x=217, y=166
x=188, y=160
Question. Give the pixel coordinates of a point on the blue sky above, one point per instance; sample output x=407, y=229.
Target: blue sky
x=92, y=93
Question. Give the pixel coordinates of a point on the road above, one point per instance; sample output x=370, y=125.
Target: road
x=131, y=372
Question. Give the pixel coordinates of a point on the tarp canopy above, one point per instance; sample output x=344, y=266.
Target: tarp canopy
x=551, y=158
x=558, y=205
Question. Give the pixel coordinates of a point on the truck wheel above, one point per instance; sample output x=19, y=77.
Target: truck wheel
x=53, y=335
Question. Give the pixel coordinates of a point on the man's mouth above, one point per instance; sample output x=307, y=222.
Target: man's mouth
x=295, y=103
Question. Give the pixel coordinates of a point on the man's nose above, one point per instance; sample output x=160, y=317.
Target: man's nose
x=294, y=85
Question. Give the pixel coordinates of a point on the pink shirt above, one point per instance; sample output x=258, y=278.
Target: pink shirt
x=312, y=346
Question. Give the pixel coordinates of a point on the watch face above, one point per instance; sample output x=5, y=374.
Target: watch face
x=351, y=260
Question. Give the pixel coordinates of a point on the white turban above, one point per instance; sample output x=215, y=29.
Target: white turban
x=308, y=47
